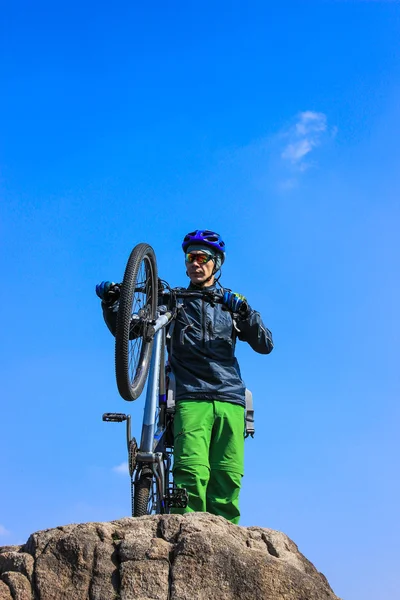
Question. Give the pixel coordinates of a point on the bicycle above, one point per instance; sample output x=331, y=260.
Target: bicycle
x=140, y=341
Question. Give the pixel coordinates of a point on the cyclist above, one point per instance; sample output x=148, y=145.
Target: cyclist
x=210, y=393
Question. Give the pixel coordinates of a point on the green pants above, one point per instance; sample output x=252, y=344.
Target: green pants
x=209, y=455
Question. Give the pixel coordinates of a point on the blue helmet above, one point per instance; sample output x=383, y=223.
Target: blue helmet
x=205, y=237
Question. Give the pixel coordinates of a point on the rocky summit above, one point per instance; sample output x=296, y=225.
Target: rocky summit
x=196, y=556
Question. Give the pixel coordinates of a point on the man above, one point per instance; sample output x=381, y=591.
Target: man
x=210, y=394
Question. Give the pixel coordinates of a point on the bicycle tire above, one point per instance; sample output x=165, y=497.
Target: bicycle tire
x=141, y=493
x=130, y=370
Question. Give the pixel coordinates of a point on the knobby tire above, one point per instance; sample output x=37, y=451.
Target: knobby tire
x=130, y=385
x=141, y=491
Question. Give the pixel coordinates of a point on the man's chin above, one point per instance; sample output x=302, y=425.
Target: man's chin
x=201, y=281
x=198, y=280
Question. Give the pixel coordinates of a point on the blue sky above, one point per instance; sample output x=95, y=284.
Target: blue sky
x=276, y=125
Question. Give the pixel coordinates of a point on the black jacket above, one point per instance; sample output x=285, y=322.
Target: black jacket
x=201, y=345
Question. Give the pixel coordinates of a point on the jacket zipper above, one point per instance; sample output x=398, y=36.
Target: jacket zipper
x=204, y=323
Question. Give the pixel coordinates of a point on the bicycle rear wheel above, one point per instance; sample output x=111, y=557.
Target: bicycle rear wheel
x=141, y=493
x=137, y=308
x=145, y=494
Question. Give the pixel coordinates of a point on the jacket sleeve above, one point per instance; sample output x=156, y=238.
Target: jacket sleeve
x=253, y=331
x=110, y=315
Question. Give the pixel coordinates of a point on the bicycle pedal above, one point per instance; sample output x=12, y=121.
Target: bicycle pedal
x=114, y=417
x=177, y=497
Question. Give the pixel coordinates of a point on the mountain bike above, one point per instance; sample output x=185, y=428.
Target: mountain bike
x=140, y=342
x=147, y=306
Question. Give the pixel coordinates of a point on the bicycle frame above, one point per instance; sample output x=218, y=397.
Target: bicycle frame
x=154, y=451
x=153, y=386
x=152, y=440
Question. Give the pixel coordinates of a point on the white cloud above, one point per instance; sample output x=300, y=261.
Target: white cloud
x=305, y=135
x=3, y=530
x=296, y=150
x=122, y=469
x=310, y=122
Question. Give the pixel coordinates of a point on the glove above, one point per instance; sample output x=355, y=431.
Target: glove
x=236, y=303
x=108, y=291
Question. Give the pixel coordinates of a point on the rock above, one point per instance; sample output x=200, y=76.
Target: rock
x=17, y=561
x=9, y=549
x=18, y=584
x=196, y=556
x=5, y=593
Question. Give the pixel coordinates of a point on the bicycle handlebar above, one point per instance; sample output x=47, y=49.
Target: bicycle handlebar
x=208, y=295
x=211, y=296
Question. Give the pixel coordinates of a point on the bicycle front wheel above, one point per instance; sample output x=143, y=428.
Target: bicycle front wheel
x=137, y=308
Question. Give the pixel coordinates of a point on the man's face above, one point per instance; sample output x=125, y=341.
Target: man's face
x=198, y=270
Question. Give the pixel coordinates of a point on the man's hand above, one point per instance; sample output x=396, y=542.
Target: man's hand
x=236, y=303
x=108, y=291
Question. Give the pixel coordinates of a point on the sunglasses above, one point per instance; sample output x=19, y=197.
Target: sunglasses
x=201, y=259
